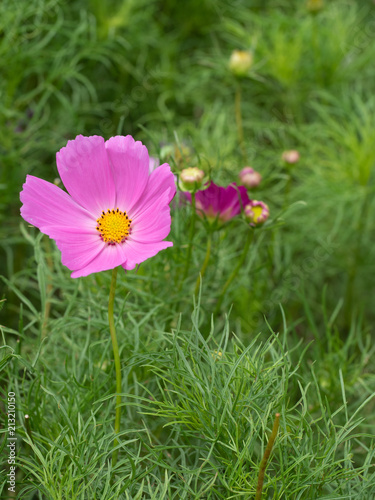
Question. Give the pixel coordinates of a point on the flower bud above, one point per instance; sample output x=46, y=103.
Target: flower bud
x=191, y=179
x=256, y=212
x=291, y=156
x=314, y=6
x=240, y=62
x=249, y=177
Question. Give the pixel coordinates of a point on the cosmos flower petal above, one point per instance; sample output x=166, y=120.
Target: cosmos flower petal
x=161, y=181
x=153, y=223
x=86, y=173
x=47, y=206
x=77, y=250
x=130, y=166
x=137, y=252
x=109, y=257
x=156, y=227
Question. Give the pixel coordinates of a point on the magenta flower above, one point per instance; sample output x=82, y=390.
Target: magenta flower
x=219, y=203
x=116, y=214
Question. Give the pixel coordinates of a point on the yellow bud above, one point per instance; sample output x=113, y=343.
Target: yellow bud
x=240, y=62
x=314, y=6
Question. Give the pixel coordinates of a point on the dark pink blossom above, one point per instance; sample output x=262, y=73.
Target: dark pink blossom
x=219, y=203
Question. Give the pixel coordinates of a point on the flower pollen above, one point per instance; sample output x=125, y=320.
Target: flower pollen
x=113, y=226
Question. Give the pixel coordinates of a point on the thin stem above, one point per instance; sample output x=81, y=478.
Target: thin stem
x=205, y=263
x=191, y=237
x=249, y=239
x=349, y=295
x=237, y=102
x=267, y=453
x=315, y=45
x=288, y=187
x=116, y=355
x=49, y=289
x=28, y=427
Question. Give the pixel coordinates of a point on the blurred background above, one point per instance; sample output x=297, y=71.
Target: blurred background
x=160, y=71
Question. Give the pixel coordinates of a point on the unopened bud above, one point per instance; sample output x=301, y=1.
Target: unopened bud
x=191, y=179
x=291, y=156
x=314, y=6
x=240, y=62
x=256, y=212
x=249, y=177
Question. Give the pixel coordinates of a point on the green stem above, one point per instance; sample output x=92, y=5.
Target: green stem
x=237, y=105
x=267, y=453
x=205, y=263
x=349, y=295
x=315, y=45
x=28, y=427
x=116, y=355
x=49, y=289
x=191, y=237
x=287, y=188
x=235, y=270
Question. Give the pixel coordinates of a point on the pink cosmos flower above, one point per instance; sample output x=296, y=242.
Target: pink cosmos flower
x=117, y=213
x=219, y=203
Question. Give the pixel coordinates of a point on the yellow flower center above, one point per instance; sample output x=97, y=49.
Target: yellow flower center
x=257, y=211
x=113, y=226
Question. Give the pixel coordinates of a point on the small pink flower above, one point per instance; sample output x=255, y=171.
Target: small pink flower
x=249, y=177
x=116, y=214
x=257, y=212
x=291, y=156
x=219, y=203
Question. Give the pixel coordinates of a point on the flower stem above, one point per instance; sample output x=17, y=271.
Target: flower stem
x=267, y=453
x=49, y=289
x=237, y=105
x=116, y=355
x=205, y=263
x=28, y=427
x=249, y=239
x=191, y=236
x=349, y=295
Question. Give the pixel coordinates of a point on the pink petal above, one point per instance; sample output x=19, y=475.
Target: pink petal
x=110, y=257
x=137, y=252
x=46, y=206
x=154, y=223
x=130, y=166
x=77, y=249
x=85, y=171
x=161, y=181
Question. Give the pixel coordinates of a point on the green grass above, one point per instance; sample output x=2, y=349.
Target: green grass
x=294, y=334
